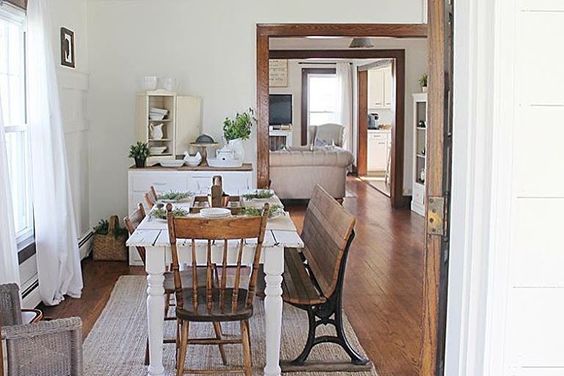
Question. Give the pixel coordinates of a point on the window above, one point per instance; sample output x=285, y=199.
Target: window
x=13, y=101
x=322, y=99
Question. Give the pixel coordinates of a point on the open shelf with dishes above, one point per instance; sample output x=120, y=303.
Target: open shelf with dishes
x=420, y=127
x=168, y=123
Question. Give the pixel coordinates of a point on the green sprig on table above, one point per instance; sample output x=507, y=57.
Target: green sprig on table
x=259, y=194
x=257, y=212
x=161, y=213
x=174, y=196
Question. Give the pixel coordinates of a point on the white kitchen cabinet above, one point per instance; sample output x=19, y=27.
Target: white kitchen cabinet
x=378, y=150
x=380, y=88
x=197, y=180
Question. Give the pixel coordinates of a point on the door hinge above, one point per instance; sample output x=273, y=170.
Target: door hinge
x=436, y=216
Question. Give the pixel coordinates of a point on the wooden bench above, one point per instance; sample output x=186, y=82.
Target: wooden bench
x=314, y=276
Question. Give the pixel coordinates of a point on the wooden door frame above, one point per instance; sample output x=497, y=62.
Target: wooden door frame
x=438, y=33
x=397, y=198
x=305, y=73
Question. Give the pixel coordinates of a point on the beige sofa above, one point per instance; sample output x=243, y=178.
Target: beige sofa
x=295, y=172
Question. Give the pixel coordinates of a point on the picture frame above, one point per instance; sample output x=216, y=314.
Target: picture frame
x=278, y=73
x=67, y=48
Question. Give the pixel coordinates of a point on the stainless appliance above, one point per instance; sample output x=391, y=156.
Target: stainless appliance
x=373, y=121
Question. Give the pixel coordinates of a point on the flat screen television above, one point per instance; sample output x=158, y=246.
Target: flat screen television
x=280, y=109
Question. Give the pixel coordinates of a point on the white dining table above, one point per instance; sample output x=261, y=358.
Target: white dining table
x=153, y=235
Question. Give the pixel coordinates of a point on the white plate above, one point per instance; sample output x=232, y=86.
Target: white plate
x=172, y=163
x=215, y=213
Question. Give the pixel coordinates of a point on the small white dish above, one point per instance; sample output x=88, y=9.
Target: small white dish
x=172, y=163
x=156, y=110
x=156, y=117
x=215, y=213
x=154, y=150
x=193, y=160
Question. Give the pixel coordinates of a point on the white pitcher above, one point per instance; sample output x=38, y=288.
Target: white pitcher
x=156, y=131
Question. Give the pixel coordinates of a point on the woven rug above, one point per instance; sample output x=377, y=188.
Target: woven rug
x=116, y=344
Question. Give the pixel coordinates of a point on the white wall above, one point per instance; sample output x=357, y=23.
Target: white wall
x=295, y=88
x=415, y=66
x=209, y=46
x=73, y=87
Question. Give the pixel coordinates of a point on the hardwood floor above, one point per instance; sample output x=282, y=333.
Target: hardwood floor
x=384, y=279
x=383, y=290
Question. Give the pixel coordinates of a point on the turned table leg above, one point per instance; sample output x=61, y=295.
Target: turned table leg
x=273, y=269
x=155, y=266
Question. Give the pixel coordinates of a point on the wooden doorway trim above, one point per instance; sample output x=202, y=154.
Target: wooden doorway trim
x=397, y=198
x=267, y=31
x=435, y=270
x=362, y=132
x=305, y=103
x=438, y=183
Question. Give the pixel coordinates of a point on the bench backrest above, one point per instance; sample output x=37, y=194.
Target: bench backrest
x=328, y=227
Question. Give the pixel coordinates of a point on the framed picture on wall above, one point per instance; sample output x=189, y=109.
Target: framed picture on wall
x=278, y=73
x=67, y=48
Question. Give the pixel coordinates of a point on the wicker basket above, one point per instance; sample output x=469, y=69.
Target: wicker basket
x=108, y=247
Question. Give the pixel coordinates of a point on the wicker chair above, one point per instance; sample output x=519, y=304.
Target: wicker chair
x=44, y=348
x=37, y=348
x=11, y=312
x=216, y=303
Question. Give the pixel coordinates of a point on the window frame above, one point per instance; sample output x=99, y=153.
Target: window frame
x=306, y=72
x=10, y=13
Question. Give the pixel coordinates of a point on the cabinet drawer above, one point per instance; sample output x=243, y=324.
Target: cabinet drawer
x=161, y=181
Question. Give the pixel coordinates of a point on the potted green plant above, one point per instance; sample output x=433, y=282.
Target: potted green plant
x=139, y=152
x=423, y=82
x=237, y=130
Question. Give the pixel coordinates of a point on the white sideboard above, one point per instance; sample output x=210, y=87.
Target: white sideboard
x=197, y=180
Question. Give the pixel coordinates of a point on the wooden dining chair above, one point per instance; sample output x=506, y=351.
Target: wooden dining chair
x=151, y=197
x=225, y=302
x=131, y=223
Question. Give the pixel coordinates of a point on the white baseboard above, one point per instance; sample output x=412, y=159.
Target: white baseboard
x=85, y=244
x=30, y=286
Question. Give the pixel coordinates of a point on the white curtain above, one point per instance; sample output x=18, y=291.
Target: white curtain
x=58, y=259
x=9, y=269
x=345, y=102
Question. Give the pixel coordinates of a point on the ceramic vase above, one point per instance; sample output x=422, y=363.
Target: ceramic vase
x=237, y=146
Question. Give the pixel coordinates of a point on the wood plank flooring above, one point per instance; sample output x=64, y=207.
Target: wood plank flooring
x=383, y=290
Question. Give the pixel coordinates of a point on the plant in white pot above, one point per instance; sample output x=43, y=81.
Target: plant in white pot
x=423, y=83
x=237, y=130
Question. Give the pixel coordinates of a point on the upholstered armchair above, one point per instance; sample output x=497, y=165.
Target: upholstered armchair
x=326, y=134
x=37, y=348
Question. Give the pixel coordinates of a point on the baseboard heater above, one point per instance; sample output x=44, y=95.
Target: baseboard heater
x=28, y=272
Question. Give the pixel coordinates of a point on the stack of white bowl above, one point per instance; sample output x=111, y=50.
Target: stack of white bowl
x=157, y=113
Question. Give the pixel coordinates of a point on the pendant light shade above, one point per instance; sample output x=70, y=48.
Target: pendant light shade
x=361, y=43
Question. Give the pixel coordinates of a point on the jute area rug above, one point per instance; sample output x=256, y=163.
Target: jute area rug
x=116, y=344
